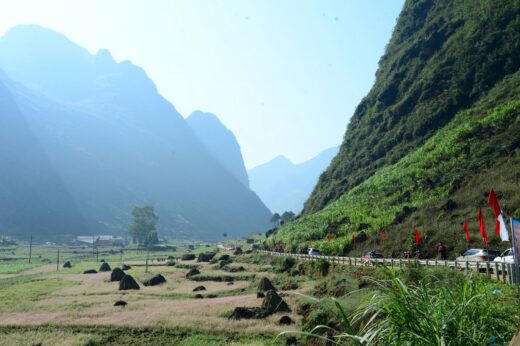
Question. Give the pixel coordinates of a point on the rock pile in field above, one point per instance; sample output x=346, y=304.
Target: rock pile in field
x=126, y=267
x=117, y=274
x=274, y=303
x=154, y=281
x=128, y=283
x=224, y=257
x=105, y=267
x=121, y=303
x=90, y=271
x=199, y=288
x=265, y=285
x=67, y=265
x=188, y=257
x=285, y=320
x=245, y=313
x=206, y=256
x=192, y=271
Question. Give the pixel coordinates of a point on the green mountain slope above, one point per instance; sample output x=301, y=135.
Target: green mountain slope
x=442, y=57
x=426, y=159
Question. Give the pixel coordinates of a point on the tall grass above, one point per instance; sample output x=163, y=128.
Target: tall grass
x=463, y=310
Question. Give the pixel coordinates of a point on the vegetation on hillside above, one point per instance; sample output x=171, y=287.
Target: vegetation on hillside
x=430, y=175
x=443, y=57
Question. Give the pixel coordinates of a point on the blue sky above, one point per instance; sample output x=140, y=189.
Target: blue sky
x=284, y=75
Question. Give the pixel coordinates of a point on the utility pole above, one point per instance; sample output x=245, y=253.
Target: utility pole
x=30, y=249
x=58, y=261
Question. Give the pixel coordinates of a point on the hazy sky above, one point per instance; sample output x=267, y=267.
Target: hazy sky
x=284, y=75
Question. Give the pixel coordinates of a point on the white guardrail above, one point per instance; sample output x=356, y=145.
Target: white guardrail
x=506, y=272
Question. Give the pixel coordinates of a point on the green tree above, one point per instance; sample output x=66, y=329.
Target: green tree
x=287, y=216
x=143, y=227
x=275, y=219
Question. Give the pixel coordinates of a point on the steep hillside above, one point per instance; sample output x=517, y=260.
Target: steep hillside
x=426, y=156
x=114, y=143
x=443, y=56
x=220, y=142
x=283, y=185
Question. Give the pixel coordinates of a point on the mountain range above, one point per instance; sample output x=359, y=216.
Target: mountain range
x=85, y=139
x=283, y=185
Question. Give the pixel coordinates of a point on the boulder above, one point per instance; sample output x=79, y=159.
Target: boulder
x=128, y=283
x=260, y=295
x=265, y=285
x=198, y=296
x=154, y=281
x=245, y=313
x=117, y=274
x=274, y=303
x=121, y=303
x=90, y=271
x=126, y=267
x=224, y=257
x=67, y=265
x=105, y=267
x=199, y=288
x=192, y=271
x=285, y=320
x=206, y=256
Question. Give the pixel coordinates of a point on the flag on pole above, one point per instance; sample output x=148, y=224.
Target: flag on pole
x=417, y=238
x=500, y=225
x=329, y=238
x=466, y=229
x=482, y=226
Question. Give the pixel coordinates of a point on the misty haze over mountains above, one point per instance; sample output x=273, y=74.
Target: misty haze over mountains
x=283, y=185
x=85, y=139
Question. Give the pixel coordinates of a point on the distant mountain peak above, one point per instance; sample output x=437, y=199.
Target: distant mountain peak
x=220, y=142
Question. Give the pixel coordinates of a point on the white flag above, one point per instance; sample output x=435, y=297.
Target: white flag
x=504, y=234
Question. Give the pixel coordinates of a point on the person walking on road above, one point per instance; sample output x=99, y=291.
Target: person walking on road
x=441, y=249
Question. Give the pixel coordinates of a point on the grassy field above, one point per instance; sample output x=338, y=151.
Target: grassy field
x=42, y=305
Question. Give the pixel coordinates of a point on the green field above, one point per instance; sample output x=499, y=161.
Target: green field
x=39, y=304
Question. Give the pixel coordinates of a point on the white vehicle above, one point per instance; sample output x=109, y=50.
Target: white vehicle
x=505, y=257
x=313, y=252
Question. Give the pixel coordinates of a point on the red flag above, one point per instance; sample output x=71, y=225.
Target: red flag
x=466, y=229
x=329, y=238
x=353, y=239
x=417, y=238
x=493, y=202
x=310, y=243
x=482, y=226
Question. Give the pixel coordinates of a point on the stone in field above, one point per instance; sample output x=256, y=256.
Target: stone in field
x=154, y=281
x=117, y=274
x=105, y=267
x=128, y=283
x=67, y=265
x=90, y=271
x=265, y=285
x=274, y=303
x=199, y=288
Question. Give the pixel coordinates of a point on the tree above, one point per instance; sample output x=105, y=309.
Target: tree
x=287, y=216
x=275, y=219
x=143, y=225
